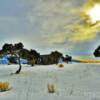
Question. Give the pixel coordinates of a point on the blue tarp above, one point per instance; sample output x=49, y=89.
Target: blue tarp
x=23, y=61
x=4, y=61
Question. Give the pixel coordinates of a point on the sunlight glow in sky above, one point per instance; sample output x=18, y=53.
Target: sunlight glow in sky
x=94, y=13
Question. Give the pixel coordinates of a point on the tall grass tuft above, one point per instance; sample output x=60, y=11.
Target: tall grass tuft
x=4, y=86
x=51, y=88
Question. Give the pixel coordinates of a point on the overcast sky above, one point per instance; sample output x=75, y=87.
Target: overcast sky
x=41, y=24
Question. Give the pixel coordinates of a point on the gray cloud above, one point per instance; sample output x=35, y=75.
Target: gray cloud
x=43, y=25
x=50, y=17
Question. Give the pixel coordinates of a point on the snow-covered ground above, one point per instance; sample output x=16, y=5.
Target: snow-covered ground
x=77, y=81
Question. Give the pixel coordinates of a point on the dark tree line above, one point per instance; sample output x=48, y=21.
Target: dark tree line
x=18, y=51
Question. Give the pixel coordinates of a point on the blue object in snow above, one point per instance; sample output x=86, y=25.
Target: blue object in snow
x=4, y=61
x=23, y=61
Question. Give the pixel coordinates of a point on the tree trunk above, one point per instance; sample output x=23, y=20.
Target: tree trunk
x=20, y=66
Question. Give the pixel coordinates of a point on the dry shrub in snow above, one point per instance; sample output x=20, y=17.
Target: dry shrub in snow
x=51, y=88
x=60, y=65
x=4, y=86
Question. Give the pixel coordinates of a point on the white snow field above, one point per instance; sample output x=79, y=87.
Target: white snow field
x=76, y=81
